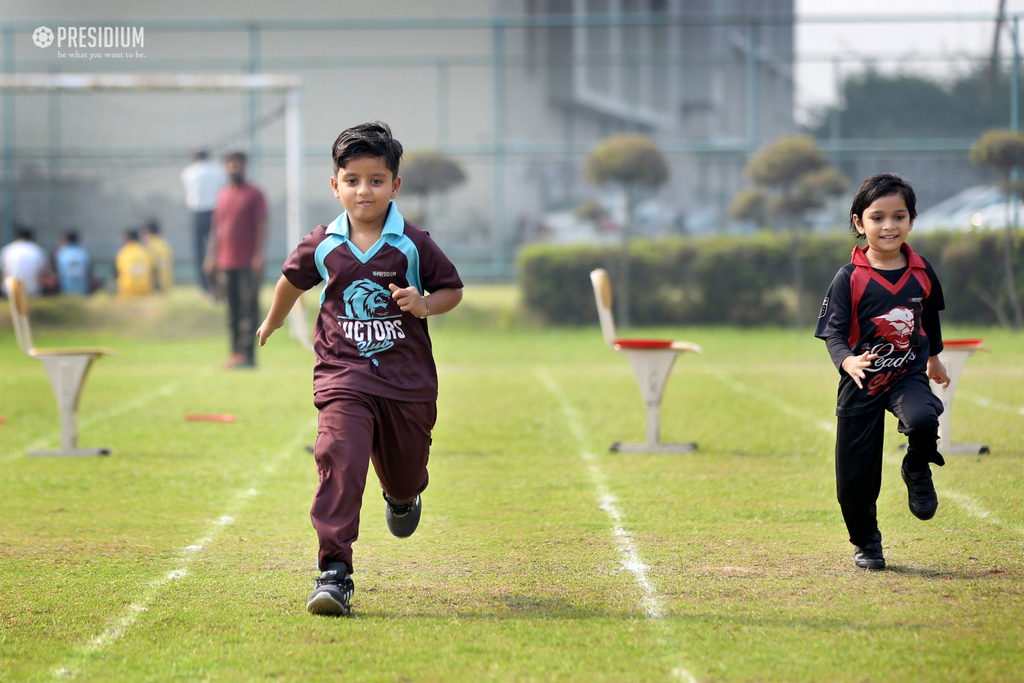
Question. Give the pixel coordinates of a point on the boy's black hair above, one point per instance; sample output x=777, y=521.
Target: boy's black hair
x=876, y=187
x=152, y=226
x=23, y=233
x=71, y=236
x=370, y=139
x=132, y=235
x=236, y=156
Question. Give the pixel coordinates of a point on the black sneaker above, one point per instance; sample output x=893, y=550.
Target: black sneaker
x=332, y=595
x=869, y=556
x=920, y=492
x=402, y=518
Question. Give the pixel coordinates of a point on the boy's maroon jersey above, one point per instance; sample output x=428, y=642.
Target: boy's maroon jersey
x=880, y=312
x=363, y=341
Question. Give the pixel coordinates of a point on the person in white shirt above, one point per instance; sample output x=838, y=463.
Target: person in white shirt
x=25, y=260
x=203, y=180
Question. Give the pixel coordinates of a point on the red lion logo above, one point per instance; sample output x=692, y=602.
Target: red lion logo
x=896, y=326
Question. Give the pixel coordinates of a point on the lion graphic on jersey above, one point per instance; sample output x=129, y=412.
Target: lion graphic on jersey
x=896, y=327
x=366, y=300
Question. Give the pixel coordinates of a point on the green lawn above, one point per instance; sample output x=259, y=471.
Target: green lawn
x=188, y=554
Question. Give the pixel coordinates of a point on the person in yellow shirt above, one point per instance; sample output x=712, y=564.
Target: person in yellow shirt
x=162, y=256
x=134, y=267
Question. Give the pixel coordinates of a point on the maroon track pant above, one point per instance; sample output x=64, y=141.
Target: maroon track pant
x=354, y=429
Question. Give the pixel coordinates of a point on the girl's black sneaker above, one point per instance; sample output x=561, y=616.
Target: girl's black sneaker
x=920, y=492
x=869, y=555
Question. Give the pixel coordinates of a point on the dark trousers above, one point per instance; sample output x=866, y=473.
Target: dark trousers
x=859, y=441
x=242, y=289
x=354, y=430
x=201, y=221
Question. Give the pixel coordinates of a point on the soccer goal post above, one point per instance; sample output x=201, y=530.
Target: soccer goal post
x=289, y=85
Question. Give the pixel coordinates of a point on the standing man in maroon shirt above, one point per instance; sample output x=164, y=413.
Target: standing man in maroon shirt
x=238, y=236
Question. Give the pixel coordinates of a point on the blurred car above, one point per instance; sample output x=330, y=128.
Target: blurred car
x=981, y=206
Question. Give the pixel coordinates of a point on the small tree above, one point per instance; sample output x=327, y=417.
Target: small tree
x=750, y=205
x=1003, y=151
x=633, y=162
x=792, y=176
x=429, y=172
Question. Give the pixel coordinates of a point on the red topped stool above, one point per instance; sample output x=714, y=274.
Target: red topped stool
x=652, y=361
x=954, y=356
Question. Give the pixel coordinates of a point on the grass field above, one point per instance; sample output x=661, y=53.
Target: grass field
x=188, y=554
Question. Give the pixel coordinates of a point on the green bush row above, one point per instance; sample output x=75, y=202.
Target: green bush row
x=751, y=281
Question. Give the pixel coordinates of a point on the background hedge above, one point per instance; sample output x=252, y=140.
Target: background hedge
x=749, y=281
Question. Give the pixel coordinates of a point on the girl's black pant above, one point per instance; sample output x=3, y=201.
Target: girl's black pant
x=859, y=441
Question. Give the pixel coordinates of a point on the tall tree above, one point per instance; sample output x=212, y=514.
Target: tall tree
x=792, y=176
x=427, y=173
x=633, y=162
x=1003, y=151
x=916, y=106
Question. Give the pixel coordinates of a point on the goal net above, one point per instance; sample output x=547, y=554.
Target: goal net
x=103, y=152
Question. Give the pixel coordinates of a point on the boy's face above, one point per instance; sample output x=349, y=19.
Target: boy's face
x=365, y=187
x=886, y=224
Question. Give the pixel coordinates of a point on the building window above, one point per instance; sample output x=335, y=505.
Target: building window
x=624, y=54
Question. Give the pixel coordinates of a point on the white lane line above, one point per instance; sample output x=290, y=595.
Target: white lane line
x=963, y=500
x=973, y=507
x=117, y=629
x=139, y=402
x=766, y=397
x=989, y=403
x=120, y=409
x=631, y=560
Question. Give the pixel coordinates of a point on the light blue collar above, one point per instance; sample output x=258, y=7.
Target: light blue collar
x=394, y=225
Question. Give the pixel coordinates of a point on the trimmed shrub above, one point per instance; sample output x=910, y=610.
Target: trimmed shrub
x=749, y=281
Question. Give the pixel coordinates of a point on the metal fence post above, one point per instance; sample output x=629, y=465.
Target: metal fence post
x=7, y=199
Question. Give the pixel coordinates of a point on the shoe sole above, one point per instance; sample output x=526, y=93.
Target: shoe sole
x=323, y=604
x=872, y=567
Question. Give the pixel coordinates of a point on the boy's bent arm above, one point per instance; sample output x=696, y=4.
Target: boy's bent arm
x=442, y=301
x=410, y=299
x=285, y=296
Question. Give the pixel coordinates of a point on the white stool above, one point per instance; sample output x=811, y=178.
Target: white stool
x=66, y=368
x=954, y=356
x=652, y=361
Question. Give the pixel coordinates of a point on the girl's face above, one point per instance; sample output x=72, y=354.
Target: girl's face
x=886, y=224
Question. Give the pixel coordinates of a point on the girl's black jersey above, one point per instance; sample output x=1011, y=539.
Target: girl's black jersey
x=881, y=312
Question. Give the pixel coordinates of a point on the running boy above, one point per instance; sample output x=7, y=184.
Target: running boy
x=374, y=383
x=880, y=320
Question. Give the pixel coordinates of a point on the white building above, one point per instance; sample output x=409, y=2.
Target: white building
x=517, y=90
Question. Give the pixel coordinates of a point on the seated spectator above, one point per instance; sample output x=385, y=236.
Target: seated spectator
x=73, y=266
x=134, y=267
x=25, y=260
x=161, y=254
